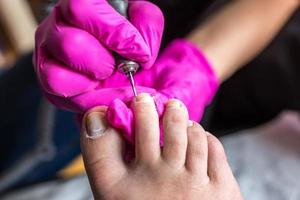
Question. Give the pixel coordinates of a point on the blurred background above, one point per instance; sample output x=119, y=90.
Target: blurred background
x=18, y=21
x=32, y=148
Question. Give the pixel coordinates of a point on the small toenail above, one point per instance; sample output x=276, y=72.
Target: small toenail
x=144, y=97
x=191, y=123
x=174, y=104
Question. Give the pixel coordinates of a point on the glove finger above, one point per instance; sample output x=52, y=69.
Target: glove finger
x=100, y=19
x=78, y=50
x=121, y=117
x=149, y=21
x=59, y=80
x=188, y=78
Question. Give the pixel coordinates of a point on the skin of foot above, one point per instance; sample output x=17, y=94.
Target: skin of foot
x=191, y=165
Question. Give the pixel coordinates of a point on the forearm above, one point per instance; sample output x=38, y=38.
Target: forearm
x=239, y=31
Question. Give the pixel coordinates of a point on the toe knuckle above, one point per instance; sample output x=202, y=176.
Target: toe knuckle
x=177, y=143
x=197, y=151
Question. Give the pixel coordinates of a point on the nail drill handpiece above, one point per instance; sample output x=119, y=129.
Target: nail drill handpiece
x=127, y=67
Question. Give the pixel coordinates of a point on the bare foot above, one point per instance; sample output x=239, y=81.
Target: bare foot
x=191, y=165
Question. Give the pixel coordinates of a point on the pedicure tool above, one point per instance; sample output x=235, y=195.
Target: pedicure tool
x=128, y=67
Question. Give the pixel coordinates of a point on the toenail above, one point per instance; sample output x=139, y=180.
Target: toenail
x=144, y=97
x=174, y=104
x=191, y=123
x=96, y=124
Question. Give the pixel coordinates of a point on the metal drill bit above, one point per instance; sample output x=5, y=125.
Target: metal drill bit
x=128, y=67
x=132, y=84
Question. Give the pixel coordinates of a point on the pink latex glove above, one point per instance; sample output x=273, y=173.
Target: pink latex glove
x=74, y=44
x=181, y=72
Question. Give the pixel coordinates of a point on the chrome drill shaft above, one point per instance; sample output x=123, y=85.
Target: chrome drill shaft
x=128, y=67
x=130, y=76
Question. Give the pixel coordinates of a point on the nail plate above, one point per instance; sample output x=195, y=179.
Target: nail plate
x=144, y=97
x=174, y=104
x=96, y=124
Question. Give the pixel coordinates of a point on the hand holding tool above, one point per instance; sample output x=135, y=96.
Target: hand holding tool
x=128, y=67
x=75, y=63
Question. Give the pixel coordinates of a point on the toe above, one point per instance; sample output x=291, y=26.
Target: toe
x=218, y=167
x=146, y=129
x=197, y=150
x=175, y=123
x=102, y=149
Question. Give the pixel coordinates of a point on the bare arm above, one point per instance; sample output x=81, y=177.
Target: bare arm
x=239, y=31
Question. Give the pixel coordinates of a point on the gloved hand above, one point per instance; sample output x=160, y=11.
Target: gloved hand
x=74, y=44
x=181, y=72
x=70, y=62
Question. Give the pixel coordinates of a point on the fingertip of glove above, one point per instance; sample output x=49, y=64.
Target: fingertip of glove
x=121, y=117
x=145, y=7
